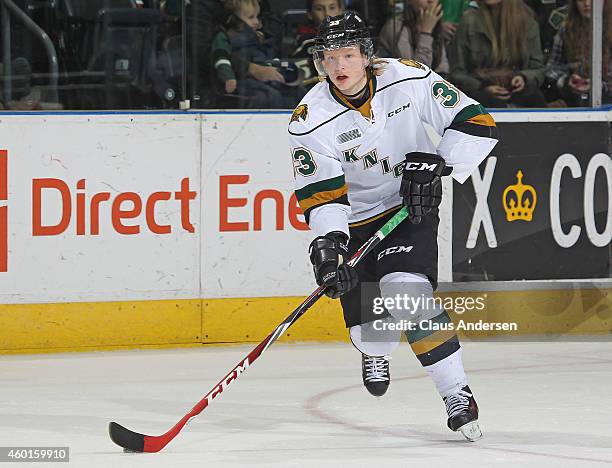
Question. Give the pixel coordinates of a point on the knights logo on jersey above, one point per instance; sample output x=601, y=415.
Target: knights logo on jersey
x=300, y=112
x=412, y=63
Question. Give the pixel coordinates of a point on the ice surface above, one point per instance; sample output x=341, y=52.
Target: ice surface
x=542, y=405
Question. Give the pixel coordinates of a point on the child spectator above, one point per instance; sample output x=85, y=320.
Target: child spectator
x=569, y=63
x=318, y=10
x=416, y=34
x=242, y=41
x=496, y=56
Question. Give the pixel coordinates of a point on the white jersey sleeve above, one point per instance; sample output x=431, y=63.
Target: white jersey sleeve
x=320, y=185
x=468, y=131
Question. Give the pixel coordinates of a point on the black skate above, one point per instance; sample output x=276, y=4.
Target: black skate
x=462, y=413
x=376, y=374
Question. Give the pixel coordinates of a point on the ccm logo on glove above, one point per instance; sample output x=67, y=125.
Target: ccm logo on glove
x=416, y=166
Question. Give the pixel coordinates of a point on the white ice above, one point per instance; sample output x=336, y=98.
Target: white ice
x=542, y=405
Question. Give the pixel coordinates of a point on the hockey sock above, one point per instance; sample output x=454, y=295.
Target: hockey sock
x=431, y=335
x=448, y=374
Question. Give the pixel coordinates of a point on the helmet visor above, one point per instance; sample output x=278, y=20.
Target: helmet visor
x=329, y=56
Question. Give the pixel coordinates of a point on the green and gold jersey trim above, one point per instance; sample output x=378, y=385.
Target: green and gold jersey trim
x=321, y=193
x=475, y=120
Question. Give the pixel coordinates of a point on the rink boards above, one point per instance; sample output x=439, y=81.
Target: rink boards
x=176, y=229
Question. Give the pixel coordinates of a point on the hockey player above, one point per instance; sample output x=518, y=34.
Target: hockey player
x=360, y=152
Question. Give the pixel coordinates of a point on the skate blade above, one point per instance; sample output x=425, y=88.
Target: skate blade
x=471, y=431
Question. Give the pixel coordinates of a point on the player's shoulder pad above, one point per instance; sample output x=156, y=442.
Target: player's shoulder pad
x=401, y=70
x=314, y=111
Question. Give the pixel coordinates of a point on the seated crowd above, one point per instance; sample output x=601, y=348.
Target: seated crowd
x=256, y=53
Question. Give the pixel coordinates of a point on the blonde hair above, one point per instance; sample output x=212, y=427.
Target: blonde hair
x=239, y=6
x=509, y=44
x=379, y=65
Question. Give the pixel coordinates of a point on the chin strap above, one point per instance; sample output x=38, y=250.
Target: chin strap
x=360, y=101
x=365, y=87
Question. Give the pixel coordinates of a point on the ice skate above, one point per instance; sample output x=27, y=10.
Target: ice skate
x=376, y=374
x=462, y=413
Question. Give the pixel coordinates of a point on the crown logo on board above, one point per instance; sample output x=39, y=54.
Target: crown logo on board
x=519, y=200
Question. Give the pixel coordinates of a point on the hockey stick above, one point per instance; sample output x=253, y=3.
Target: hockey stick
x=134, y=442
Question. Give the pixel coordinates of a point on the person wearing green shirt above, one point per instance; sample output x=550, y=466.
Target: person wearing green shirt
x=453, y=10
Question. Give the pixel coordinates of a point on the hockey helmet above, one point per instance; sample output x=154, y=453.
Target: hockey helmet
x=344, y=30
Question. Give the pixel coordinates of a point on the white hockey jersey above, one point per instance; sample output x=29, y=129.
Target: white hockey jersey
x=348, y=162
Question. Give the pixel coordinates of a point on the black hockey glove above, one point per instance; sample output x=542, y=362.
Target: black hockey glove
x=328, y=255
x=421, y=187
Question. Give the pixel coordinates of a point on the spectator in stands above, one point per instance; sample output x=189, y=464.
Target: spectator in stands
x=318, y=10
x=549, y=14
x=569, y=63
x=242, y=40
x=205, y=19
x=453, y=11
x=496, y=56
x=416, y=34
